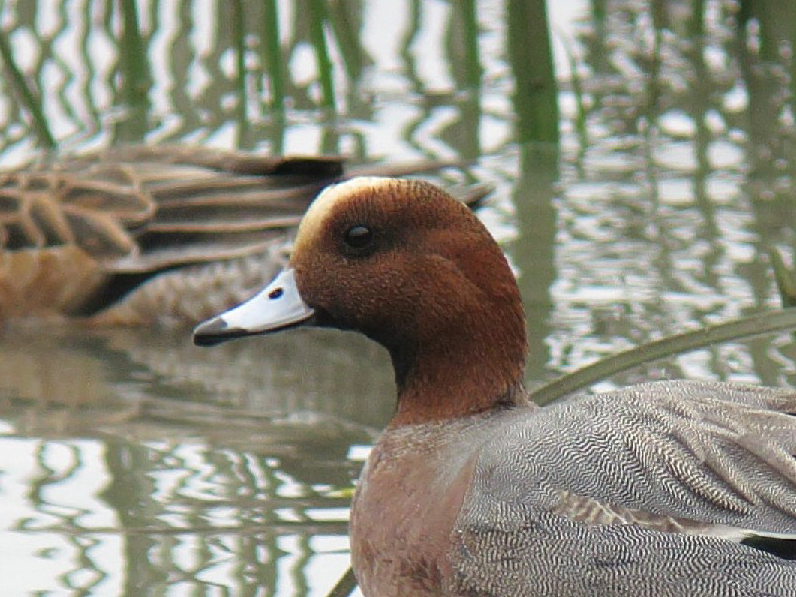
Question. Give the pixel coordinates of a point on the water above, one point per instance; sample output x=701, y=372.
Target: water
x=134, y=463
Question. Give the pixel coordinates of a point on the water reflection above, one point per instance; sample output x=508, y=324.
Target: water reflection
x=664, y=194
x=165, y=450
x=659, y=174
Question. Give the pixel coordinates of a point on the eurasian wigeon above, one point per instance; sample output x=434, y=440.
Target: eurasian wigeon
x=676, y=489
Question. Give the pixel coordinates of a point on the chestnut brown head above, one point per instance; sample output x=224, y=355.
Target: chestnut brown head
x=412, y=268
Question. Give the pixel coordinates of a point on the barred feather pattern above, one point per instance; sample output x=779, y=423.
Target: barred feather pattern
x=653, y=490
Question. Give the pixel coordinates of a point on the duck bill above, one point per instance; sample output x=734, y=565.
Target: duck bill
x=278, y=306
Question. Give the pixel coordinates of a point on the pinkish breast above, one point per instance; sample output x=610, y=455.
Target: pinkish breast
x=405, y=508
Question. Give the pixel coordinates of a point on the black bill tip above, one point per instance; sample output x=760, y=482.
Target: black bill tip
x=216, y=331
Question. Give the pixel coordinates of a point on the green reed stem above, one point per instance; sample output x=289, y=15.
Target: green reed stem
x=578, y=93
x=472, y=62
x=344, y=17
x=136, y=79
x=345, y=586
x=26, y=95
x=784, y=277
x=273, y=55
x=531, y=57
x=238, y=39
x=746, y=327
x=318, y=16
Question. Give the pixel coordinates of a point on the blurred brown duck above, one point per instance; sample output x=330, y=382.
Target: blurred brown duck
x=86, y=235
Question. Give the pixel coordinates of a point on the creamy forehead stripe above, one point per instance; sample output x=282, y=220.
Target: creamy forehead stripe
x=331, y=195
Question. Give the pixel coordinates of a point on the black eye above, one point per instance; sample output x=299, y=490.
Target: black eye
x=358, y=237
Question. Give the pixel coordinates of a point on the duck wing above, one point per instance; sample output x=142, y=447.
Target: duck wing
x=710, y=453
x=674, y=488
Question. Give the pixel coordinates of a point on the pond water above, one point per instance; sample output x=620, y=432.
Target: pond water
x=642, y=176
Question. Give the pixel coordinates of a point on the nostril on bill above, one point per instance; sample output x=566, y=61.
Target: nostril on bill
x=275, y=293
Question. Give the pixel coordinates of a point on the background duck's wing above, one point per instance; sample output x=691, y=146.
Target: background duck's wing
x=140, y=209
x=134, y=208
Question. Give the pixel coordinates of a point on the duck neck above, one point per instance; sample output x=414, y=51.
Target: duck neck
x=461, y=373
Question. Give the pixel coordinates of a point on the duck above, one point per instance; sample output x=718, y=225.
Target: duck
x=669, y=488
x=139, y=235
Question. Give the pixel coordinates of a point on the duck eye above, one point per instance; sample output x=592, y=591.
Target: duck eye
x=358, y=237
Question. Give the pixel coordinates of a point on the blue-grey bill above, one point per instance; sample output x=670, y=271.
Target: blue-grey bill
x=279, y=305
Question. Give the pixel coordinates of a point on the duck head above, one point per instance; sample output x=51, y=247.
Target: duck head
x=413, y=269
